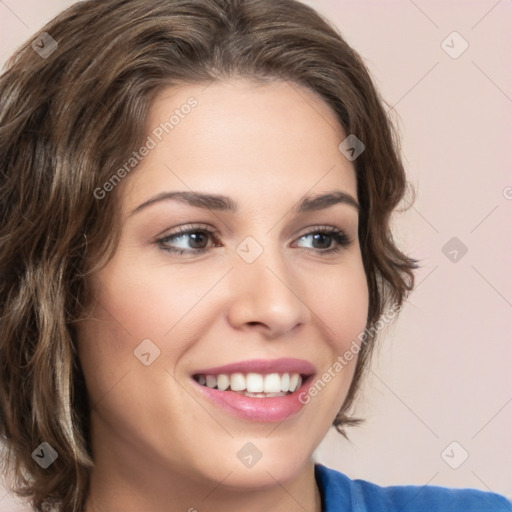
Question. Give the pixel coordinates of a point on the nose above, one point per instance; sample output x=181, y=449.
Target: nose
x=267, y=295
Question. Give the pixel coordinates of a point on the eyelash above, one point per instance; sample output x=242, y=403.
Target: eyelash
x=340, y=237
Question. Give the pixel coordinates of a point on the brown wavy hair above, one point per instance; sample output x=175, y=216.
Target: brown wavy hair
x=70, y=118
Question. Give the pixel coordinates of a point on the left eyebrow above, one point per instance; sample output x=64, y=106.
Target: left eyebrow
x=319, y=202
x=224, y=203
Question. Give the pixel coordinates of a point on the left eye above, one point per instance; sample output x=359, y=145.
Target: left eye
x=325, y=239
x=195, y=241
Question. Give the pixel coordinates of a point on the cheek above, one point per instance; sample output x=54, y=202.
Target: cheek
x=341, y=309
x=147, y=300
x=135, y=303
x=342, y=302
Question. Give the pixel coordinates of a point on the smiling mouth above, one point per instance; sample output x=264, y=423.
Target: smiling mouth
x=254, y=385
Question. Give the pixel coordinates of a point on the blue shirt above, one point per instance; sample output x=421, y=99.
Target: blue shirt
x=342, y=494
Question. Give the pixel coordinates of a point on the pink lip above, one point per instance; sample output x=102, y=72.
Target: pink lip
x=263, y=366
x=259, y=409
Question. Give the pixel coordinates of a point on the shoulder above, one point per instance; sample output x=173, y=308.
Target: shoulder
x=339, y=492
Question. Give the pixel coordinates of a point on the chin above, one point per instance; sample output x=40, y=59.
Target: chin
x=257, y=463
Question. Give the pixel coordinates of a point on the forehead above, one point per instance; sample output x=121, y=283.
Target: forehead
x=259, y=142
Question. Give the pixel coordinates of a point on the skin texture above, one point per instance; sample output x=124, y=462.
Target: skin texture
x=157, y=443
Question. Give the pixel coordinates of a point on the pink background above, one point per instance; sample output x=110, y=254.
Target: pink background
x=443, y=371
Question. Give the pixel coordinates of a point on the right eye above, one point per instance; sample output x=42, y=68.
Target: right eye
x=192, y=240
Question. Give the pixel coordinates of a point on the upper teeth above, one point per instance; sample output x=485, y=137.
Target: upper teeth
x=253, y=382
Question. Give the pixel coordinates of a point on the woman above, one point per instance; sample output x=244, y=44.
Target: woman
x=195, y=259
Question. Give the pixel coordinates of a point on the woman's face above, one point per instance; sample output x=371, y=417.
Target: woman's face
x=255, y=285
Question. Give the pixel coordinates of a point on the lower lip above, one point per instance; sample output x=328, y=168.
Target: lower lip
x=272, y=409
